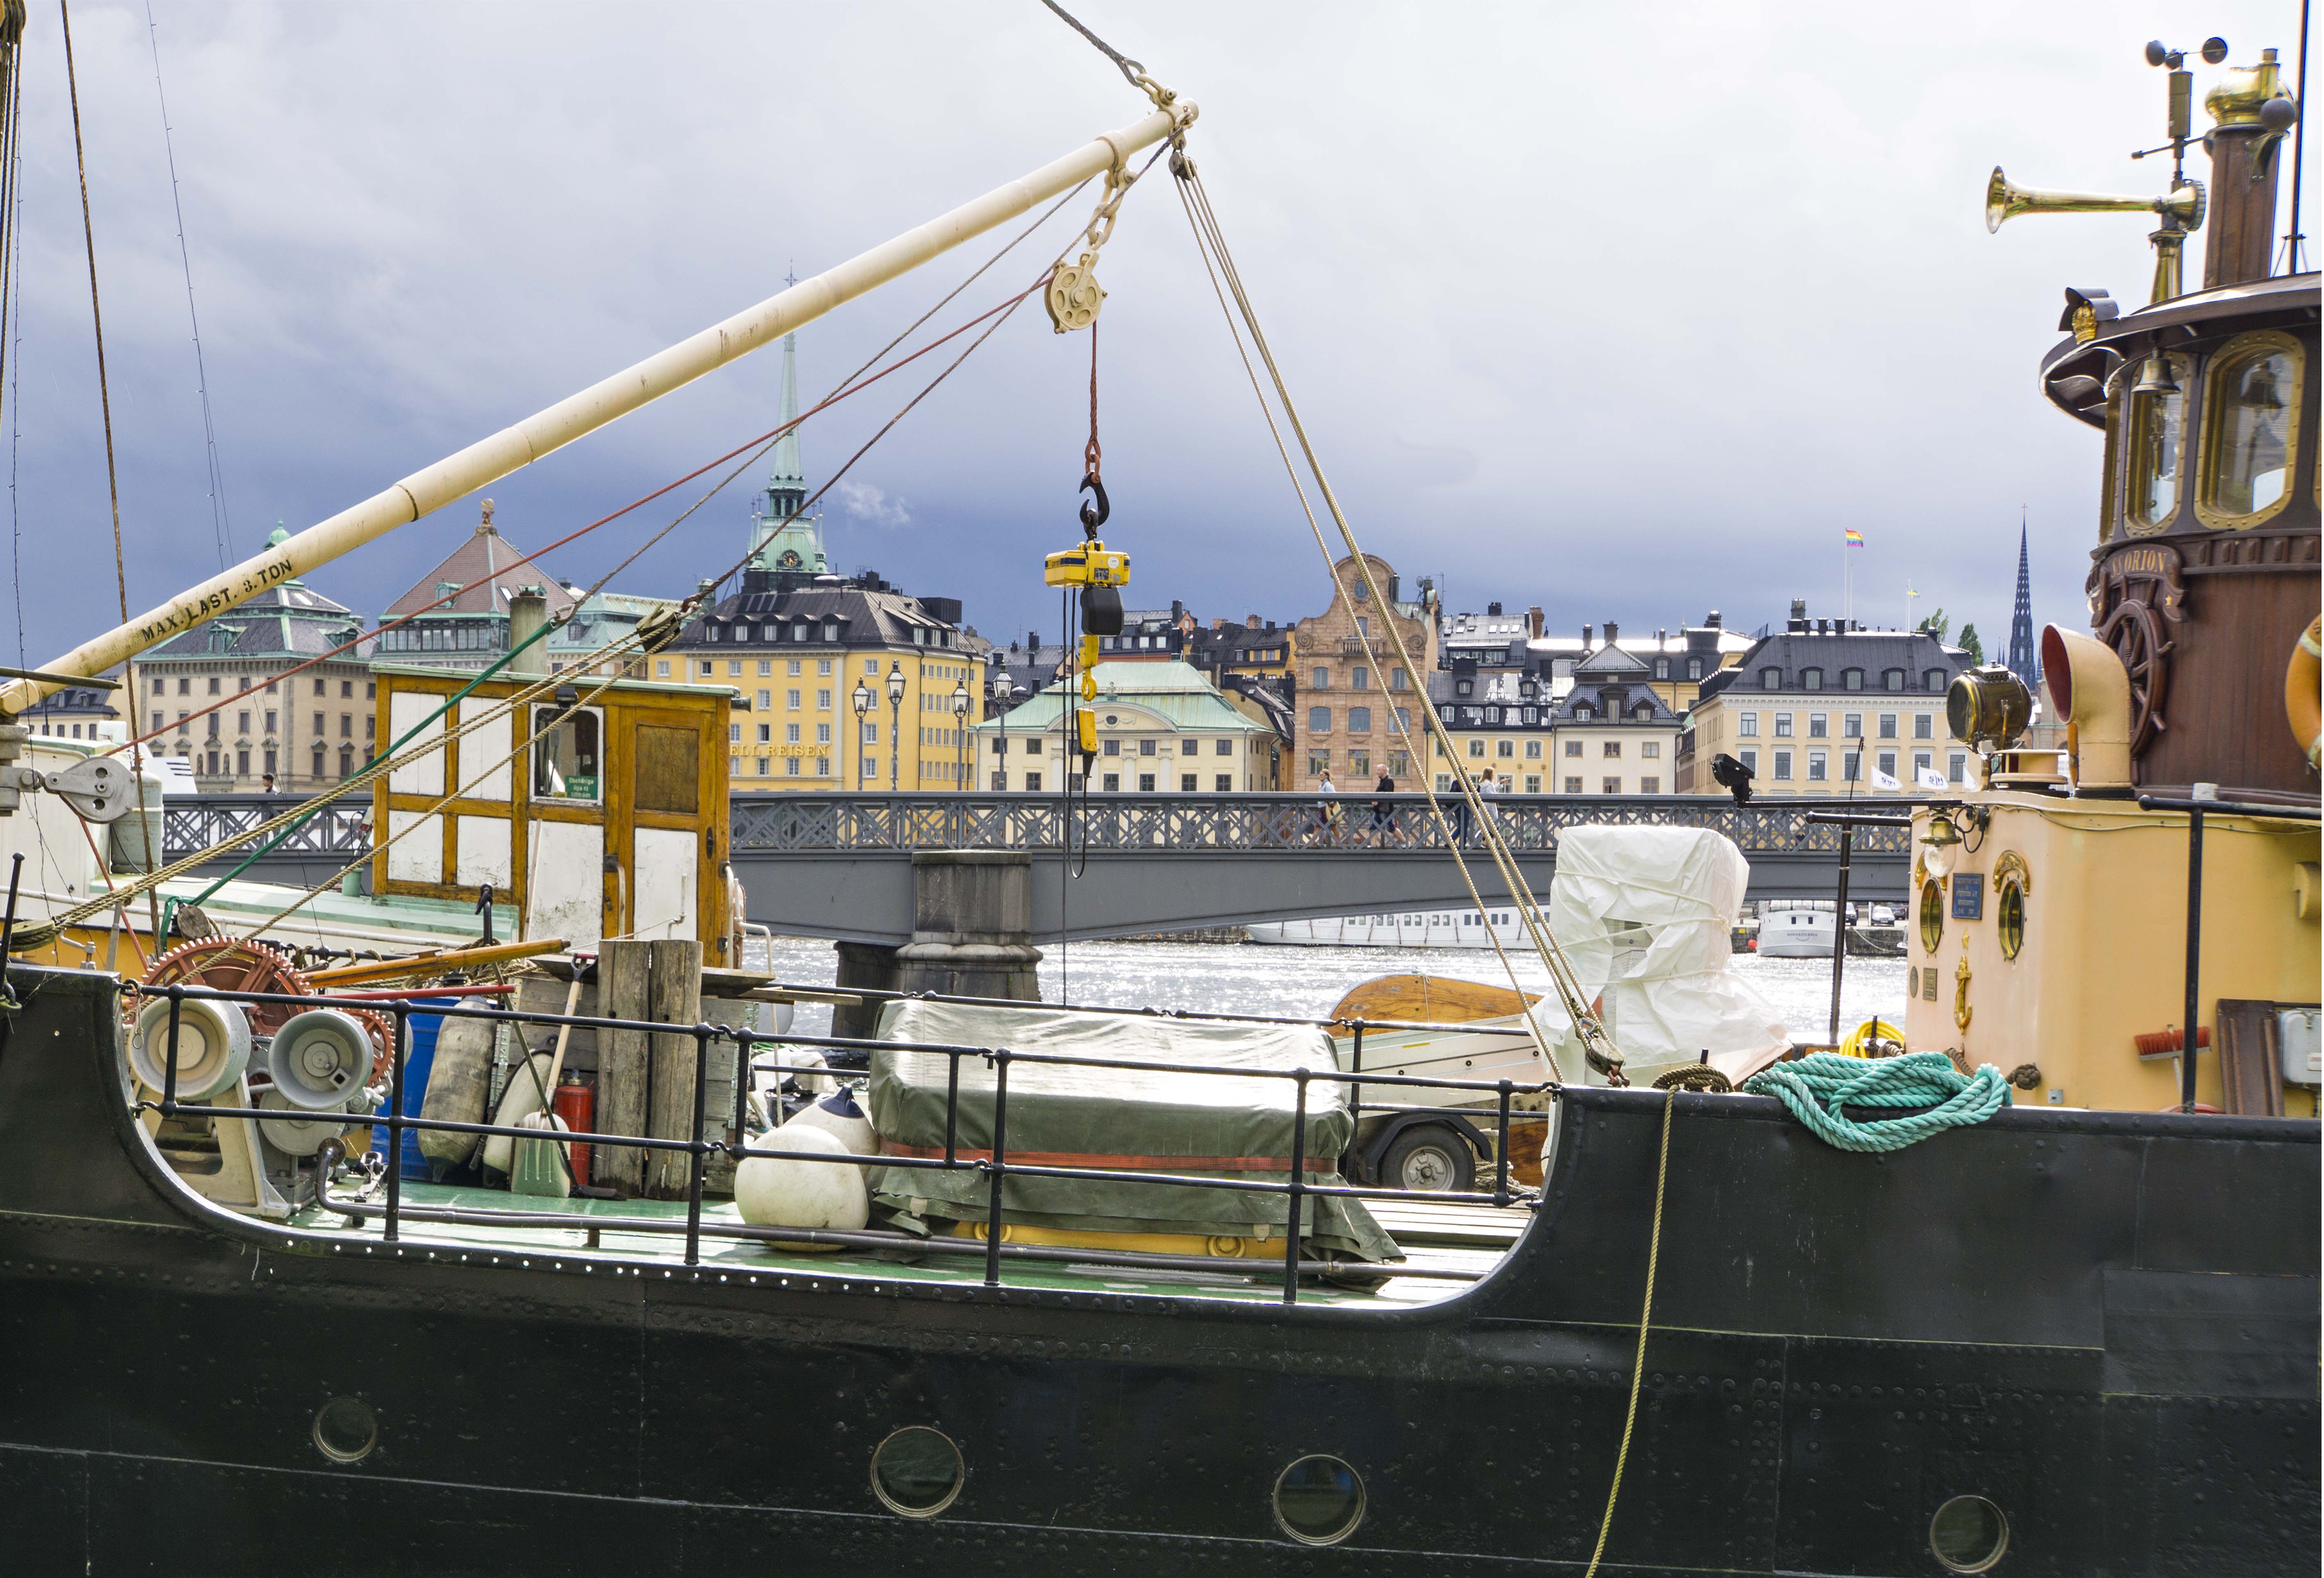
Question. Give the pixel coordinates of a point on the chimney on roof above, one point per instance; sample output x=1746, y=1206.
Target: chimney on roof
x=1395, y=588
x=1587, y=630
x=1270, y=625
x=1711, y=620
x=1219, y=623
x=1533, y=620
x=1251, y=621
x=1611, y=631
x=1177, y=609
x=1799, y=620
x=1492, y=610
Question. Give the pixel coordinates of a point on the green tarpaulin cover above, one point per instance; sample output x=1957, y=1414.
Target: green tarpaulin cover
x=1145, y=1120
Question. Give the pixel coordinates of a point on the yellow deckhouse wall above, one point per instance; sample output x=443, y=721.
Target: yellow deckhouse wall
x=638, y=774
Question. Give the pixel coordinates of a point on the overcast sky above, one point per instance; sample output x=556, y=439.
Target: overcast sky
x=1628, y=311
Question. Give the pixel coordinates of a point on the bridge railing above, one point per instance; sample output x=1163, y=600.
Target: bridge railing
x=193, y=823
x=779, y=824
x=774, y=824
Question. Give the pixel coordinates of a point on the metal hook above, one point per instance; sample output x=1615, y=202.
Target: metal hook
x=1093, y=517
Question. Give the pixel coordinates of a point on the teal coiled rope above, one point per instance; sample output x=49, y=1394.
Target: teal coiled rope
x=1818, y=1085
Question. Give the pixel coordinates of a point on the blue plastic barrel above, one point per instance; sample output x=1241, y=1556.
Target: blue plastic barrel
x=419, y=1059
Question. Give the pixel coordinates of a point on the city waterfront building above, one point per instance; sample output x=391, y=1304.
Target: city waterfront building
x=1152, y=635
x=839, y=681
x=1603, y=728
x=1250, y=648
x=1827, y=707
x=1353, y=687
x=79, y=711
x=1161, y=729
x=304, y=732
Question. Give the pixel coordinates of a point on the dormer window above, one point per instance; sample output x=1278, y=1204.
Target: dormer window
x=1934, y=679
x=1694, y=667
x=830, y=630
x=1892, y=679
x=1463, y=687
x=1810, y=680
x=1644, y=713
x=1662, y=667
x=1584, y=713
x=1851, y=678
x=1771, y=679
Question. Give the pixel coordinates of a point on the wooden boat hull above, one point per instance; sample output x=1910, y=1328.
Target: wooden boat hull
x=2105, y=1322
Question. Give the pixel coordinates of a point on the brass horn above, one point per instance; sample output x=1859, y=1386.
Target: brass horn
x=2004, y=199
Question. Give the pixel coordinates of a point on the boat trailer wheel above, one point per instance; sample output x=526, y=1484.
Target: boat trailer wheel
x=1429, y=1159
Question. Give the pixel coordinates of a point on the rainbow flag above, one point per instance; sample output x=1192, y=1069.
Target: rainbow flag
x=1855, y=538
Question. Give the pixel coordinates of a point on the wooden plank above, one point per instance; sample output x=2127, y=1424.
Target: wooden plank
x=622, y=1062
x=674, y=986
x=2251, y=1064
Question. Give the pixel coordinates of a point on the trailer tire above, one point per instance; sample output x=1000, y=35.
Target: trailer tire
x=1427, y=1158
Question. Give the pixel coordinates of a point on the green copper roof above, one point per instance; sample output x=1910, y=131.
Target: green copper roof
x=1174, y=692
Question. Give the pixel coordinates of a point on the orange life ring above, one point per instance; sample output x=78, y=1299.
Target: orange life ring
x=2301, y=702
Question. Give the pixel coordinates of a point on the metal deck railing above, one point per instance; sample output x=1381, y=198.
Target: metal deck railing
x=994, y=1164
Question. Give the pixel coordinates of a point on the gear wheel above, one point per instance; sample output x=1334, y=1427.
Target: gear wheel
x=230, y=964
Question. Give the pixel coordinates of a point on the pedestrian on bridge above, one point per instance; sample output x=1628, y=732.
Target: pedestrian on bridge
x=1325, y=811
x=1384, y=829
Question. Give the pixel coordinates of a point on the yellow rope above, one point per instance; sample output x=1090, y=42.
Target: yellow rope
x=1639, y=1360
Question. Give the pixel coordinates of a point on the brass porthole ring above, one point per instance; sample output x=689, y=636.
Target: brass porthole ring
x=1319, y=1500
x=916, y=1472
x=1969, y=1533
x=346, y=1430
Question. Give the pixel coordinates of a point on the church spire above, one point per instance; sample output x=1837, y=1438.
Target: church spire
x=782, y=540
x=2024, y=661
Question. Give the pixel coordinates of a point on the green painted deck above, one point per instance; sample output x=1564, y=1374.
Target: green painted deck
x=1262, y=1283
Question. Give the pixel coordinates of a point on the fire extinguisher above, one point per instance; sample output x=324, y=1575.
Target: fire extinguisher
x=576, y=1103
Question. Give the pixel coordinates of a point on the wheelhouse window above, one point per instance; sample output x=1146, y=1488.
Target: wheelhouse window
x=567, y=755
x=2251, y=417
x=2157, y=439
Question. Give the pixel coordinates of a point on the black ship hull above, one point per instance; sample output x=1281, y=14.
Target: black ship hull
x=2106, y=1325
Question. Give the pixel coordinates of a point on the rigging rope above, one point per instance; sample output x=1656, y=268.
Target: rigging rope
x=1211, y=240
x=104, y=396
x=12, y=60
x=1646, y=1322
x=36, y=936
x=1817, y=1087
x=1134, y=71
x=221, y=521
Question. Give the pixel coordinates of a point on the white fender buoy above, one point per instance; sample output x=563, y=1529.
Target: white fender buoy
x=519, y=1100
x=777, y=1192
x=837, y=1114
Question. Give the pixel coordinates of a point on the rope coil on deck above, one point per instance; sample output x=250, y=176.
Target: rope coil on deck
x=1817, y=1087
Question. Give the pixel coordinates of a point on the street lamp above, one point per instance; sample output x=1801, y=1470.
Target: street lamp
x=960, y=734
x=864, y=699
x=1000, y=687
x=895, y=722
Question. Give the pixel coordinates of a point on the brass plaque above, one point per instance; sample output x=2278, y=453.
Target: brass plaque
x=669, y=769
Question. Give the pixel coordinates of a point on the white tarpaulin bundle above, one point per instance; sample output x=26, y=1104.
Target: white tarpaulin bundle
x=1645, y=914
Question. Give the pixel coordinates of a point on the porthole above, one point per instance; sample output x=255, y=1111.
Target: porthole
x=1319, y=1500
x=1932, y=915
x=346, y=1430
x=916, y=1472
x=1969, y=1533
x=2009, y=918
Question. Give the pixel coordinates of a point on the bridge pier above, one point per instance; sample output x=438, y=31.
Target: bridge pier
x=972, y=936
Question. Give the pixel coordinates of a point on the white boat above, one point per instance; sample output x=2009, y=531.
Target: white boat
x=1411, y=929
x=1795, y=931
